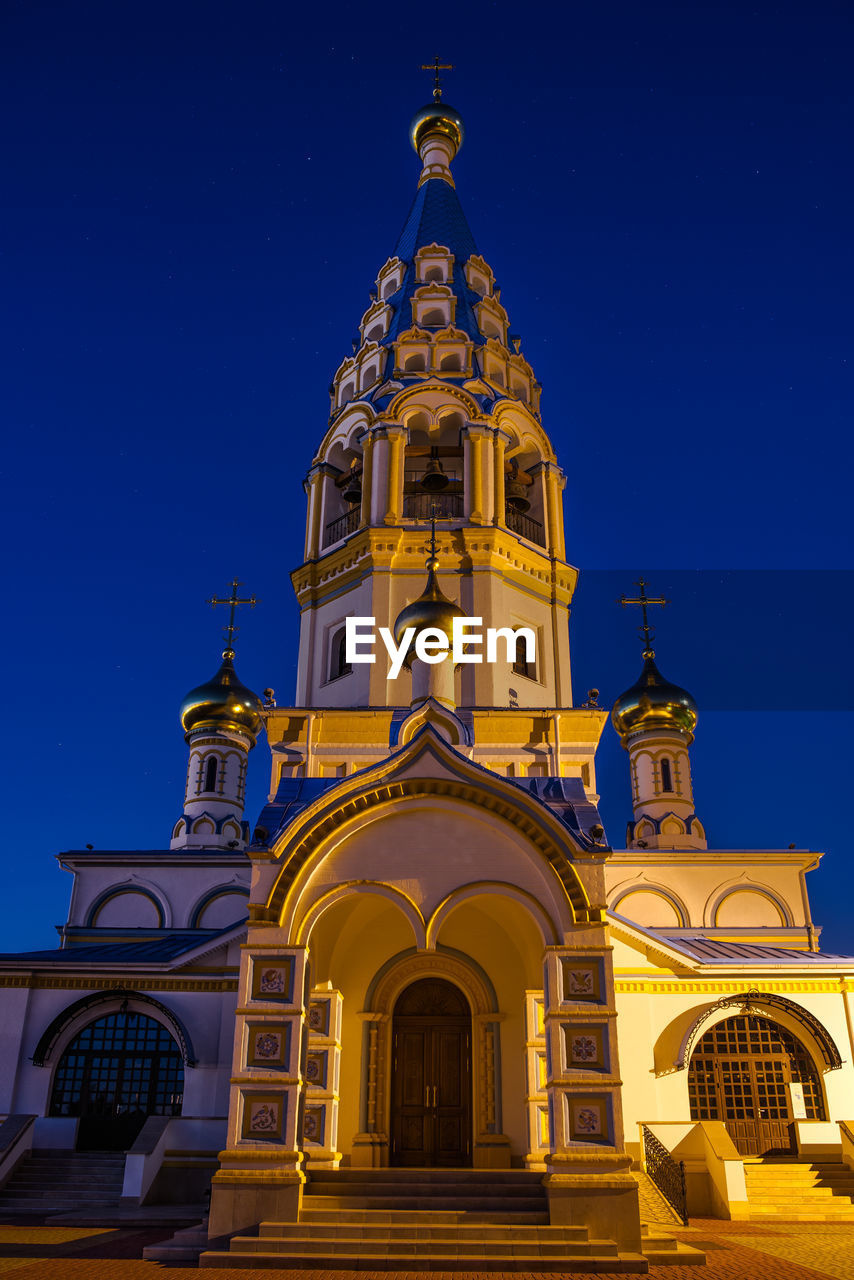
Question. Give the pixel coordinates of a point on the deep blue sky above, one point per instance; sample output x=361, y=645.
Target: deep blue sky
x=197, y=199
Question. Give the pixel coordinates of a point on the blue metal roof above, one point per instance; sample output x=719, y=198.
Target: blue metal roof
x=436, y=217
x=713, y=949
x=149, y=951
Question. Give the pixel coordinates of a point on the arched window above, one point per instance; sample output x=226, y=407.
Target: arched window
x=210, y=774
x=666, y=775
x=114, y=1074
x=434, y=317
x=338, y=664
x=414, y=364
x=451, y=363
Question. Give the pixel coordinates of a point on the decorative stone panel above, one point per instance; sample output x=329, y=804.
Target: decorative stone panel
x=321, y=1072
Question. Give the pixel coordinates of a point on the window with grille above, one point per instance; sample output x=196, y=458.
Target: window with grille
x=741, y=1068
x=124, y=1062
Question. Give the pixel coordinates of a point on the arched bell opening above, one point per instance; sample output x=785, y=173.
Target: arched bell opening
x=431, y=1078
x=342, y=492
x=756, y=1076
x=433, y=469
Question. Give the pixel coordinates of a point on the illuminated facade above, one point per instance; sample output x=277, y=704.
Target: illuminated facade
x=446, y=964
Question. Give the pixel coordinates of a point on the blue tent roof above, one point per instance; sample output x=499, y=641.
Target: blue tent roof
x=436, y=217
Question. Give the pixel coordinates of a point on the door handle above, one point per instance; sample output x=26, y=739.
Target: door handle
x=435, y=1087
x=426, y=1095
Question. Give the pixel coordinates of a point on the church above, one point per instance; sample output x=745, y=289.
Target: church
x=424, y=977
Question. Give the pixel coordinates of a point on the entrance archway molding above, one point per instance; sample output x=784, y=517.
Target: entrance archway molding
x=490, y=1146
x=71, y=1020
x=820, y=1043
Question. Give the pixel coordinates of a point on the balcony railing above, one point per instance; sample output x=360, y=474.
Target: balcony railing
x=421, y=506
x=525, y=526
x=340, y=528
x=666, y=1173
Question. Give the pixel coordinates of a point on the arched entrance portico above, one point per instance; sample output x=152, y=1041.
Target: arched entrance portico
x=741, y=1072
x=431, y=1119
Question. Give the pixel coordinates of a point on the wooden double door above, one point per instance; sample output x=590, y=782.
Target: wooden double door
x=431, y=1077
x=741, y=1072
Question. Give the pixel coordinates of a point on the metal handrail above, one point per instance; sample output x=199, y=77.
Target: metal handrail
x=667, y=1174
x=525, y=526
x=444, y=506
x=344, y=525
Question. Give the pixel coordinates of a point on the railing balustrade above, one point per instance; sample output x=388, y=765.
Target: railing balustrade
x=421, y=506
x=340, y=528
x=525, y=526
x=667, y=1174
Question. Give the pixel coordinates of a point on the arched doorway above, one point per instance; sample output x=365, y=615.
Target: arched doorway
x=114, y=1074
x=431, y=1076
x=740, y=1073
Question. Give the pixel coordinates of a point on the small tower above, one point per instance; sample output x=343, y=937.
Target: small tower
x=221, y=721
x=656, y=720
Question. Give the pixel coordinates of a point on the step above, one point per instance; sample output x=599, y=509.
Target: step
x=611, y=1263
x=429, y=1216
x=355, y=1247
x=433, y=1186
x=490, y=1204
x=566, y=1235
x=521, y=1176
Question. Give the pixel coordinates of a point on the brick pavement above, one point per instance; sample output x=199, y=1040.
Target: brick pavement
x=735, y=1251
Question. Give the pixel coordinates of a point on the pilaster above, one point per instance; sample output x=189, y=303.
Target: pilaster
x=500, y=440
x=589, y=1179
x=367, y=481
x=260, y=1174
x=396, y=439
x=322, y=1077
x=476, y=439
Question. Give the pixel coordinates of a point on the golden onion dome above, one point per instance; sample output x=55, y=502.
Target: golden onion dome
x=431, y=609
x=436, y=117
x=654, y=703
x=222, y=703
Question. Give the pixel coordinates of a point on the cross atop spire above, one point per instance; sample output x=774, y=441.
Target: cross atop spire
x=644, y=601
x=233, y=600
x=436, y=66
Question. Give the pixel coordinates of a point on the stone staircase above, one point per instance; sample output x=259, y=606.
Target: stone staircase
x=48, y=1182
x=819, y=1192
x=425, y=1220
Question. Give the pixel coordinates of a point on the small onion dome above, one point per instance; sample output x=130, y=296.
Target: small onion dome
x=654, y=703
x=436, y=117
x=222, y=703
x=431, y=609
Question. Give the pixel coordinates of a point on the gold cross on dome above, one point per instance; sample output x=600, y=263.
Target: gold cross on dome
x=233, y=600
x=436, y=66
x=644, y=601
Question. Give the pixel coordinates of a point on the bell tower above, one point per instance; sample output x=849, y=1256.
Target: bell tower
x=436, y=414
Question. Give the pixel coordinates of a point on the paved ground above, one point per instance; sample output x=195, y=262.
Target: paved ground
x=735, y=1251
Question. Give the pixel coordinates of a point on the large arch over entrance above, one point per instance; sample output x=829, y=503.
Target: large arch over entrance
x=431, y=1122
x=741, y=1072
x=115, y=1073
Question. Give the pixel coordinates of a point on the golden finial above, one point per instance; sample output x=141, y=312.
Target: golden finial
x=644, y=601
x=436, y=66
x=233, y=600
